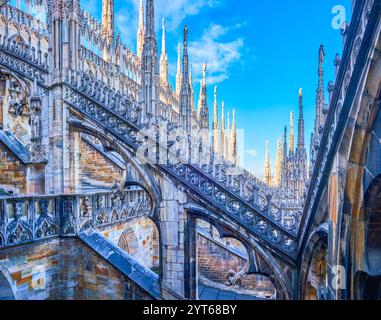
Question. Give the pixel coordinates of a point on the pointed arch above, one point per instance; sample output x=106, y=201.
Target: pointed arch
x=8, y=290
x=260, y=260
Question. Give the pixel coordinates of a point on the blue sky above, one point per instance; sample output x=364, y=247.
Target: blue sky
x=259, y=53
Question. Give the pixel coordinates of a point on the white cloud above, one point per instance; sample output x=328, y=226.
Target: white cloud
x=126, y=23
x=211, y=48
x=252, y=152
x=175, y=11
x=127, y=14
x=219, y=54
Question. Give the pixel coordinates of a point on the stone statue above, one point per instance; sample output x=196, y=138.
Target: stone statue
x=321, y=56
x=16, y=103
x=234, y=279
x=88, y=207
x=35, y=125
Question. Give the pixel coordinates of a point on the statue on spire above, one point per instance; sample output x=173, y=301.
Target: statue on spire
x=203, y=112
x=185, y=91
x=267, y=178
x=279, y=163
x=178, y=73
x=150, y=68
x=223, y=140
x=301, y=121
x=140, y=35
x=108, y=19
x=292, y=137
x=321, y=56
x=163, y=58
x=215, y=123
x=235, y=158
x=192, y=89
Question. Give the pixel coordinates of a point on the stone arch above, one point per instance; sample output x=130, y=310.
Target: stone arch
x=367, y=275
x=18, y=39
x=147, y=182
x=8, y=290
x=359, y=183
x=372, y=219
x=23, y=83
x=260, y=260
x=224, y=262
x=314, y=266
x=353, y=176
x=140, y=239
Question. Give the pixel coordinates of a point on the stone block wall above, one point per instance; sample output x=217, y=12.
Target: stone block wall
x=214, y=261
x=98, y=168
x=13, y=172
x=62, y=269
x=87, y=276
x=139, y=238
x=33, y=271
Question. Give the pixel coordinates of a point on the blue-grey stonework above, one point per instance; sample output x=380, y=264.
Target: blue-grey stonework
x=210, y=293
x=13, y=144
x=142, y=276
x=64, y=269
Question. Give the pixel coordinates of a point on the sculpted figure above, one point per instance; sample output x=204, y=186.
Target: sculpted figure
x=234, y=279
x=35, y=124
x=16, y=103
x=88, y=207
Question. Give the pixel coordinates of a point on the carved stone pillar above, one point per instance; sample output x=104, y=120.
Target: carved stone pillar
x=1, y=111
x=172, y=222
x=190, y=266
x=63, y=18
x=35, y=176
x=73, y=168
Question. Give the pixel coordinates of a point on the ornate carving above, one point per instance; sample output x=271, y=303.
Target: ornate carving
x=18, y=105
x=18, y=230
x=234, y=279
x=68, y=221
x=37, y=152
x=18, y=233
x=102, y=218
x=45, y=226
x=88, y=208
x=115, y=216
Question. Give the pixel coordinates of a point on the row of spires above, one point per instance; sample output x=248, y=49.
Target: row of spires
x=224, y=140
x=292, y=169
x=284, y=151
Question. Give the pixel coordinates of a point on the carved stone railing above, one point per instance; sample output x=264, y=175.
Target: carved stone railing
x=28, y=60
x=232, y=195
x=109, y=73
x=23, y=19
x=23, y=60
x=116, y=80
x=117, y=52
x=28, y=219
x=356, y=50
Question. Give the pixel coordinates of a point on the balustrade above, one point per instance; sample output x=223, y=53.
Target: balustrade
x=28, y=219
